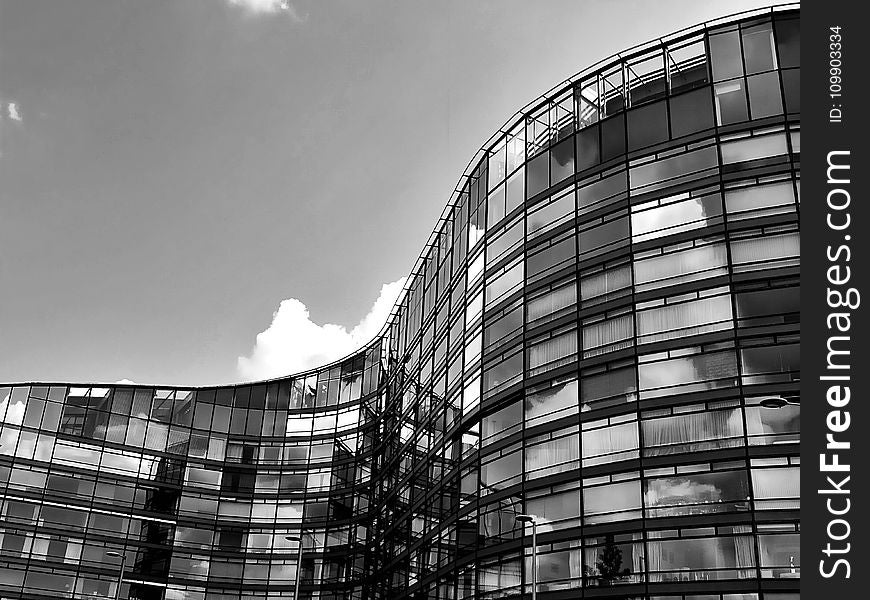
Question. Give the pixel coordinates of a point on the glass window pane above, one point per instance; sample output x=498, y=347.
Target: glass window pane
x=612, y=100
x=758, y=51
x=765, y=99
x=791, y=85
x=552, y=304
x=615, y=559
x=548, y=215
x=687, y=374
x=501, y=473
x=770, y=252
x=771, y=364
x=13, y=405
x=755, y=201
x=505, y=242
x=537, y=131
x=516, y=148
x=766, y=426
x=602, y=237
x=788, y=40
x=587, y=99
x=691, y=112
x=553, y=456
x=613, y=137
x=646, y=79
x=687, y=66
x=562, y=161
x=563, y=507
x=501, y=424
x=499, y=328
x=608, y=335
x=505, y=284
x=556, y=402
x=537, y=175
x=697, y=494
x=497, y=166
x=768, y=307
x=670, y=216
x=780, y=555
x=552, y=353
x=503, y=374
x=730, y=102
x=495, y=207
x=694, y=317
x=593, y=194
x=608, y=388
x=647, y=125
x=755, y=147
x=776, y=487
x=611, y=502
x=608, y=444
x=553, y=256
x=515, y=193
x=666, y=267
x=673, y=169
x=701, y=559
x=604, y=285
x=693, y=432
x=588, y=154
x=725, y=55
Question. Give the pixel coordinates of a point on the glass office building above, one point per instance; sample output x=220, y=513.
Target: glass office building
x=602, y=332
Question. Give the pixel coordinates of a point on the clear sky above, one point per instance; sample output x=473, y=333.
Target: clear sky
x=171, y=172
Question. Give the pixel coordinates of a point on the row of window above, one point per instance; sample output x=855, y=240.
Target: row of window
x=725, y=54
x=699, y=554
x=751, y=251
x=675, y=213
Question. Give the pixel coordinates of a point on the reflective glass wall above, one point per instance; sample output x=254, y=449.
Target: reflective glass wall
x=603, y=333
x=190, y=493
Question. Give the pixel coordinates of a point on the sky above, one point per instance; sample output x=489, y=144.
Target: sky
x=198, y=192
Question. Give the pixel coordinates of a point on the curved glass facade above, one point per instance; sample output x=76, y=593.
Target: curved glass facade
x=589, y=338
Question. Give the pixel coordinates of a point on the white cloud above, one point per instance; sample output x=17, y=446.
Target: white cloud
x=270, y=7
x=12, y=109
x=125, y=381
x=293, y=342
x=11, y=413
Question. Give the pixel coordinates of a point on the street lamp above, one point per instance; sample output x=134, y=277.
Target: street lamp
x=293, y=538
x=534, y=521
x=123, y=557
x=779, y=401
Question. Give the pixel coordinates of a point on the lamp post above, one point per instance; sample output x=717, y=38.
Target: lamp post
x=293, y=538
x=774, y=402
x=123, y=557
x=534, y=521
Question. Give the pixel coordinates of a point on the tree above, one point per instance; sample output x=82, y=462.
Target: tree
x=609, y=563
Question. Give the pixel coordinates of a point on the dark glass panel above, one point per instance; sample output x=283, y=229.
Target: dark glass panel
x=647, y=125
x=515, y=196
x=588, y=154
x=791, y=84
x=725, y=55
x=612, y=137
x=561, y=160
x=691, y=112
x=730, y=102
x=758, y=52
x=788, y=42
x=765, y=98
x=537, y=175
x=503, y=374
